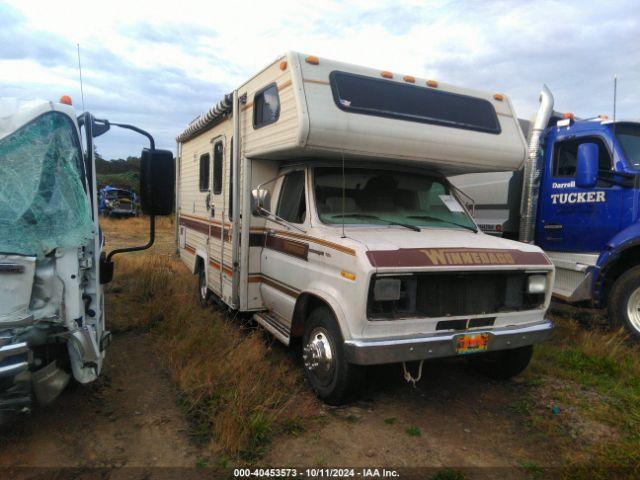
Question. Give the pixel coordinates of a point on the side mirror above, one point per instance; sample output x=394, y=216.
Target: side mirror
x=260, y=201
x=99, y=127
x=157, y=181
x=587, y=166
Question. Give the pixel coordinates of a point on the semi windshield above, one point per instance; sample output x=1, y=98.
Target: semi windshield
x=386, y=197
x=43, y=204
x=628, y=135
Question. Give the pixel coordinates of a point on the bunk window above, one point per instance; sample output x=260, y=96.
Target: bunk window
x=266, y=106
x=217, y=168
x=387, y=98
x=292, y=206
x=204, y=172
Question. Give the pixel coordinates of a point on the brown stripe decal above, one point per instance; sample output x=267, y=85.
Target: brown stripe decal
x=280, y=287
x=194, y=225
x=319, y=241
x=436, y=257
x=288, y=247
x=190, y=249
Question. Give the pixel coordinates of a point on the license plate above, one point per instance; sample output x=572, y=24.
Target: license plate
x=472, y=343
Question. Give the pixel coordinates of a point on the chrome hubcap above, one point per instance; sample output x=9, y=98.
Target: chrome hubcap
x=317, y=354
x=633, y=309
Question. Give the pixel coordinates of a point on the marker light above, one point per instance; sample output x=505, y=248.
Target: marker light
x=499, y=97
x=66, y=99
x=312, y=59
x=386, y=74
x=283, y=65
x=348, y=275
x=409, y=78
x=567, y=115
x=432, y=83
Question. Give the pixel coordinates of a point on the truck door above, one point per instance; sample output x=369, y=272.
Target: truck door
x=572, y=219
x=284, y=260
x=216, y=211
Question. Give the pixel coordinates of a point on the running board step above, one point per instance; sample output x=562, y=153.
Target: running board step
x=274, y=326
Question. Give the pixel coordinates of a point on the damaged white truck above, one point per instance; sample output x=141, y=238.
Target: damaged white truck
x=52, y=265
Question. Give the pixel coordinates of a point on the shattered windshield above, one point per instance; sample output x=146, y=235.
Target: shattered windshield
x=43, y=204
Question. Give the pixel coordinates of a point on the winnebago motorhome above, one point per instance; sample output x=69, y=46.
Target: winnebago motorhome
x=315, y=196
x=577, y=198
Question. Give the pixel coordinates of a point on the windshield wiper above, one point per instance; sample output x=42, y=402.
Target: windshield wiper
x=374, y=217
x=429, y=217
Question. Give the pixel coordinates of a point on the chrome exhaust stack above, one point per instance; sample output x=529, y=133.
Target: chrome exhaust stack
x=532, y=167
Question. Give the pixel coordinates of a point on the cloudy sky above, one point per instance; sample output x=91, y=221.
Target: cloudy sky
x=159, y=64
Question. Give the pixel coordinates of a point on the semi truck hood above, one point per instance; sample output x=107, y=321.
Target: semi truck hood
x=399, y=247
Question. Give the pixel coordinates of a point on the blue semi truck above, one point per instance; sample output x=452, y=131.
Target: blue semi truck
x=576, y=196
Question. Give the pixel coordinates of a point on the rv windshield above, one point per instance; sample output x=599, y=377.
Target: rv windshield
x=628, y=135
x=386, y=197
x=43, y=204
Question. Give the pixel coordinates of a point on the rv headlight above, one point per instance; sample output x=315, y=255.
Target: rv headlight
x=537, y=284
x=386, y=289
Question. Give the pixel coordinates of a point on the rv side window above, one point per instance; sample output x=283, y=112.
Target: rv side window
x=292, y=206
x=204, y=172
x=566, y=156
x=217, y=168
x=266, y=106
x=413, y=103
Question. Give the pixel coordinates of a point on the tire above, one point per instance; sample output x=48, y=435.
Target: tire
x=204, y=294
x=623, y=305
x=335, y=380
x=503, y=364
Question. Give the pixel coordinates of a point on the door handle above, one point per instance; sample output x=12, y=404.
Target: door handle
x=553, y=226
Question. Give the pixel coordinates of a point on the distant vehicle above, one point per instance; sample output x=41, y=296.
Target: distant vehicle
x=118, y=202
x=367, y=254
x=577, y=197
x=52, y=264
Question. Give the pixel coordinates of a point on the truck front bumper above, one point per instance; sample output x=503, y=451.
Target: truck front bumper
x=440, y=345
x=14, y=376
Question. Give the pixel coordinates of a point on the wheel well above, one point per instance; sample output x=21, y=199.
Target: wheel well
x=305, y=304
x=199, y=266
x=624, y=261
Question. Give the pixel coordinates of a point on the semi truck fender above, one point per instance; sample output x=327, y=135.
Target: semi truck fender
x=621, y=253
x=309, y=297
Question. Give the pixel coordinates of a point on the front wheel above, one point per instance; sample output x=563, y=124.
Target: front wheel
x=332, y=378
x=503, y=364
x=204, y=294
x=624, y=302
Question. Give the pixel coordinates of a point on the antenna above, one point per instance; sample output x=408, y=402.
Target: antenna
x=343, y=193
x=80, y=72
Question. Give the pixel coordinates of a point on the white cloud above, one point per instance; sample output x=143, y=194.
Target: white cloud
x=161, y=63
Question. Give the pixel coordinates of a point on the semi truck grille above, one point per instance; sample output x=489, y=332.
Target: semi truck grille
x=444, y=294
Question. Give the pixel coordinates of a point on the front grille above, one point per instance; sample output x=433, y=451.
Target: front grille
x=444, y=294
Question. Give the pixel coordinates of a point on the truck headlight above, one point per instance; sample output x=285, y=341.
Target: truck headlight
x=537, y=284
x=386, y=289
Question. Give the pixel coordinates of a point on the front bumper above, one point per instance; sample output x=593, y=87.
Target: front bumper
x=440, y=345
x=14, y=375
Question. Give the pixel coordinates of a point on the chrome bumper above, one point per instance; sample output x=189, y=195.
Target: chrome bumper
x=378, y=351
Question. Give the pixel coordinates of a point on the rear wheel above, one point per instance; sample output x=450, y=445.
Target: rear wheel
x=503, y=364
x=204, y=294
x=333, y=378
x=624, y=302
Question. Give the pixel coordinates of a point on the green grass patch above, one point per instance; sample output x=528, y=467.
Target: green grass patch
x=413, y=431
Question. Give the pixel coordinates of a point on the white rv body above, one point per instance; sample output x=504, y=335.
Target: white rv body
x=286, y=269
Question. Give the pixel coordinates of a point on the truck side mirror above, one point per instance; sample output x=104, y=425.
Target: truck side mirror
x=260, y=201
x=157, y=181
x=587, y=166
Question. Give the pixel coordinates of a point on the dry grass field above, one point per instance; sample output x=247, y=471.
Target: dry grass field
x=580, y=398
